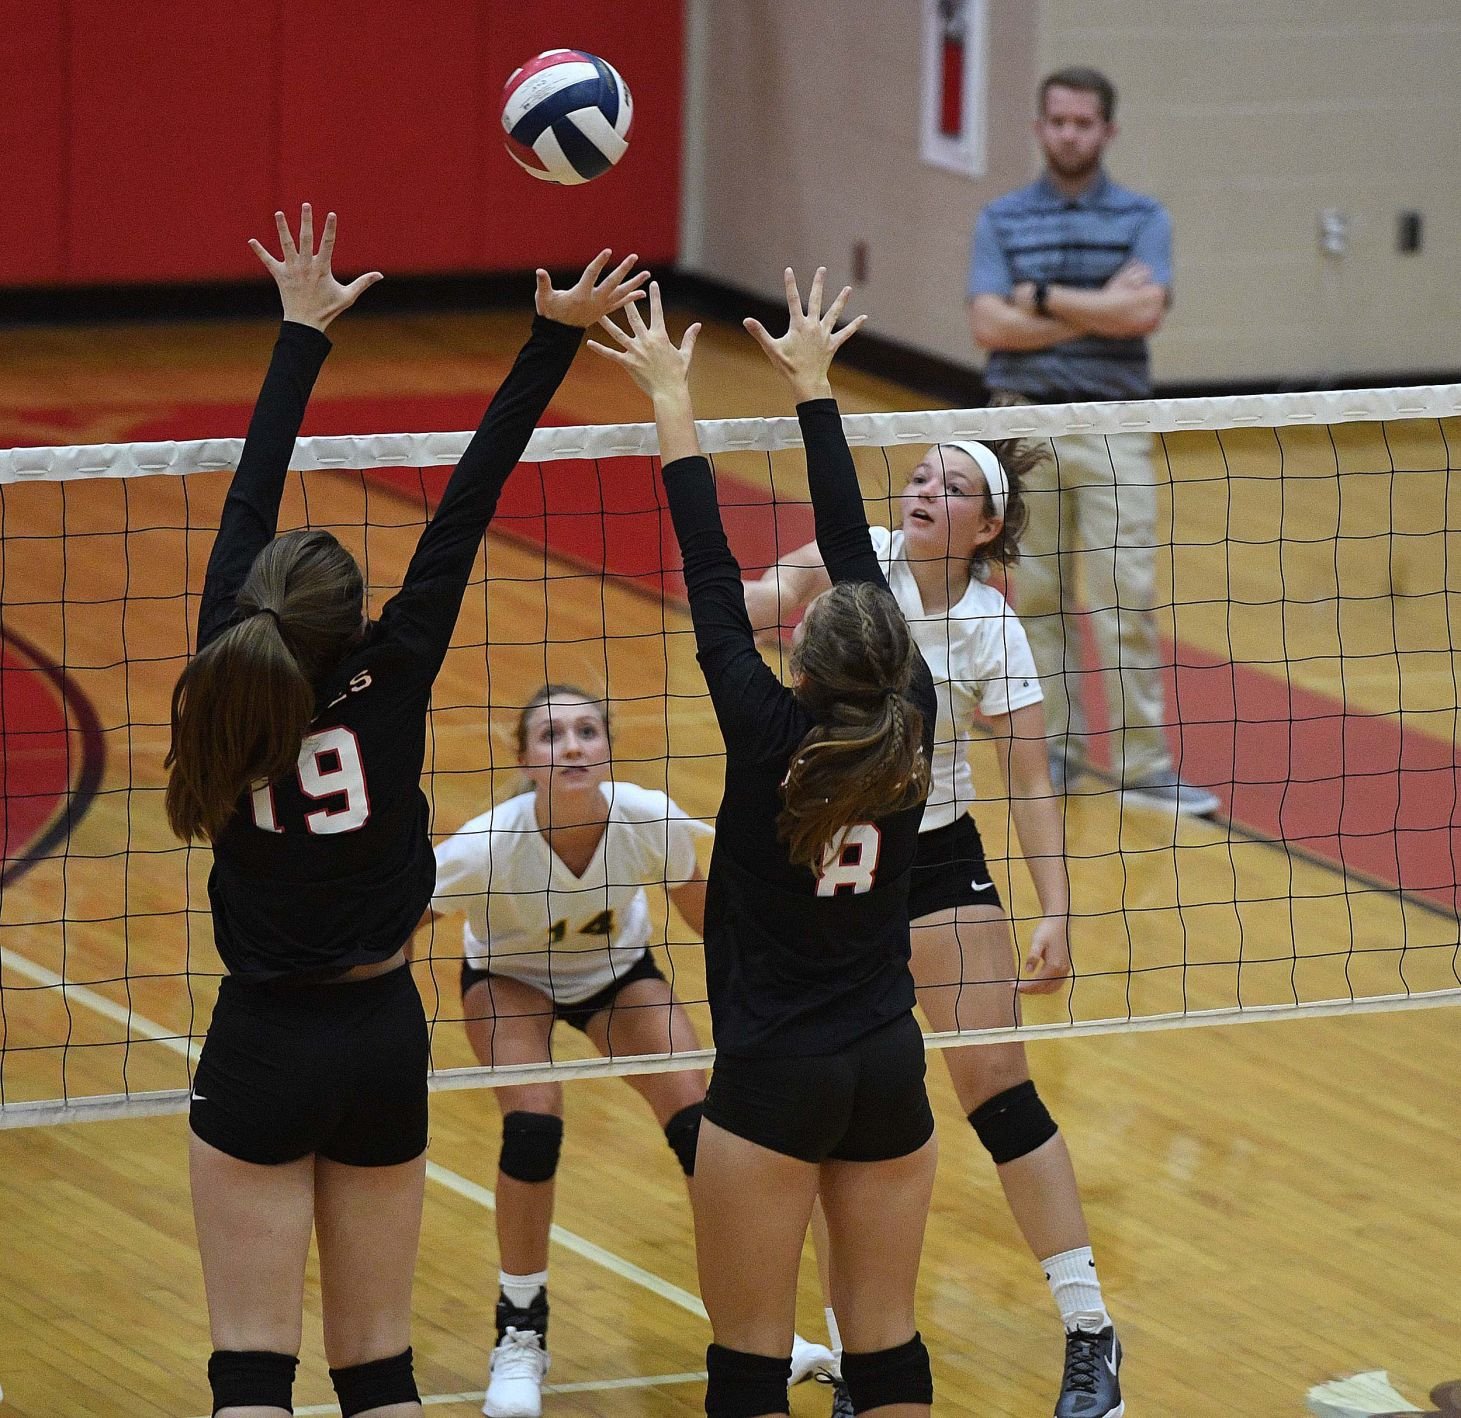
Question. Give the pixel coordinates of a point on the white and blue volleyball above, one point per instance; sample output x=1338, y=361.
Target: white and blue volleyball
x=567, y=116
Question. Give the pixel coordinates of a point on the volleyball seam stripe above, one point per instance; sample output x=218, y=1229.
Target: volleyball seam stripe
x=601, y=93
x=581, y=152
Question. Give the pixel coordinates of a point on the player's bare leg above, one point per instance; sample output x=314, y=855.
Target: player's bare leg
x=509, y=1022
x=368, y=1222
x=254, y=1225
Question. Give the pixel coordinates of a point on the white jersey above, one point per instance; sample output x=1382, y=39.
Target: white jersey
x=979, y=658
x=530, y=918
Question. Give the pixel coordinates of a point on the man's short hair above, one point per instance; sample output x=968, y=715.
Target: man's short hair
x=1083, y=80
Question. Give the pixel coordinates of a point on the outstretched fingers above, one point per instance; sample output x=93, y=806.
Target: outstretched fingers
x=636, y=320
x=687, y=344
x=618, y=356
x=814, y=296
x=841, y=337
x=286, y=237
x=621, y=336
x=272, y=264
x=834, y=311
x=306, y=230
x=793, y=295
x=629, y=292
x=616, y=276
x=327, y=241
x=595, y=269
x=360, y=284
x=758, y=332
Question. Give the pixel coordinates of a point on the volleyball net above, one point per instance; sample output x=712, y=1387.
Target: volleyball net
x=1308, y=574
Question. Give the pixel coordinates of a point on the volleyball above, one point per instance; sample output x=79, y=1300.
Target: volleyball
x=567, y=116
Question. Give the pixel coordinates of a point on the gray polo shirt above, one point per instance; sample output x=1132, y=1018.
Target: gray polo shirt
x=1037, y=234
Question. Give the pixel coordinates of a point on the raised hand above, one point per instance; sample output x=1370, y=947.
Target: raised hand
x=662, y=369
x=804, y=353
x=653, y=360
x=589, y=299
x=307, y=286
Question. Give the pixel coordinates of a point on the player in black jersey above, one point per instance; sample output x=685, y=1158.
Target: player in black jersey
x=818, y=1081
x=298, y=735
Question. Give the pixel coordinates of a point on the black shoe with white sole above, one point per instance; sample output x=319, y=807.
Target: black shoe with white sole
x=1091, y=1386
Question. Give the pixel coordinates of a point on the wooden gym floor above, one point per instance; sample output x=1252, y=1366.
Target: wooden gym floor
x=1272, y=1206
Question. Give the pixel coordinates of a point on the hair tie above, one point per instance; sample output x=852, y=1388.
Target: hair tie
x=268, y=610
x=994, y=475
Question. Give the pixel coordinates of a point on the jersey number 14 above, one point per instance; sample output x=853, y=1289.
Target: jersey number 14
x=328, y=766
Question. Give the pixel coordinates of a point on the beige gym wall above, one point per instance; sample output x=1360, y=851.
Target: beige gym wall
x=1246, y=117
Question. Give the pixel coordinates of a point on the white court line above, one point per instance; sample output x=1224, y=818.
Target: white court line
x=443, y=1176
x=646, y=1280
x=475, y=1395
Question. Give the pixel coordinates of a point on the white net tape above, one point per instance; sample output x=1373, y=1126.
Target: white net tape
x=428, y=450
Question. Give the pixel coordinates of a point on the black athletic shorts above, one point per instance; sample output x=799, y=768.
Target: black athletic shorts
x=334, y=1069
x=949, y=870
x=579, y=1013
x=864, y=1104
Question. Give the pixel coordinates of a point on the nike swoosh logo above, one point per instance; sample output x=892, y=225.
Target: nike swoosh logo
x=980, y=885
x=198, y=1098
x=1110, y=1362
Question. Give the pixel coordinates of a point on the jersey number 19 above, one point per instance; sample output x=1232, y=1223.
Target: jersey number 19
x=328, y=766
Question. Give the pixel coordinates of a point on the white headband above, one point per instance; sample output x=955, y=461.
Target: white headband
x=992, y=469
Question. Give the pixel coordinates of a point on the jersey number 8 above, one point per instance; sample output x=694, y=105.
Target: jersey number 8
x=851, y=862
x=328, y=766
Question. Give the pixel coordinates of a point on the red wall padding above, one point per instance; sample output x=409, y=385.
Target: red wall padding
x=32, y=141
x=148, y=141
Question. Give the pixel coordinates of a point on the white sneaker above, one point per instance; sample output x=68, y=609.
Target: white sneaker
x=808, y=1360
x=515, y=1389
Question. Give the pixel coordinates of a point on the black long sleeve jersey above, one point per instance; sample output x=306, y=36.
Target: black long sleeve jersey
x=797, y=963
x=331, y=866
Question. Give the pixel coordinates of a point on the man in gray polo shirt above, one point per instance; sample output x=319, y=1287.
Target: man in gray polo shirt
x=1067, y=279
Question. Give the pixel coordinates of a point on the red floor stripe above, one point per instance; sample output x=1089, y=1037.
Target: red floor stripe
x=1353, y=788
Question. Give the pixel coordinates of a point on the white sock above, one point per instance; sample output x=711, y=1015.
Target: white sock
x=522, y=1290
x=1077, y=1290
x=834, y=1335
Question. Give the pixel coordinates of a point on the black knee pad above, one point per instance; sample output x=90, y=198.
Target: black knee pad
x=377, y=1384
x=682, y=1132
x=743, y=1385
x=531, y=1143
x=1014, y=1123
x=243, y=1378
x=898, y=1375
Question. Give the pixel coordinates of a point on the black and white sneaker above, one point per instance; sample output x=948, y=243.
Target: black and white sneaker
x=1091, y=1387
x=515, y=1383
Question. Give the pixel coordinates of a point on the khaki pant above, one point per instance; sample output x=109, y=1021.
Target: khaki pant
x=1092, y=530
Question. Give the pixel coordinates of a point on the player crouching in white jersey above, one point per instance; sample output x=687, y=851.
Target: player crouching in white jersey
x=551, y=883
